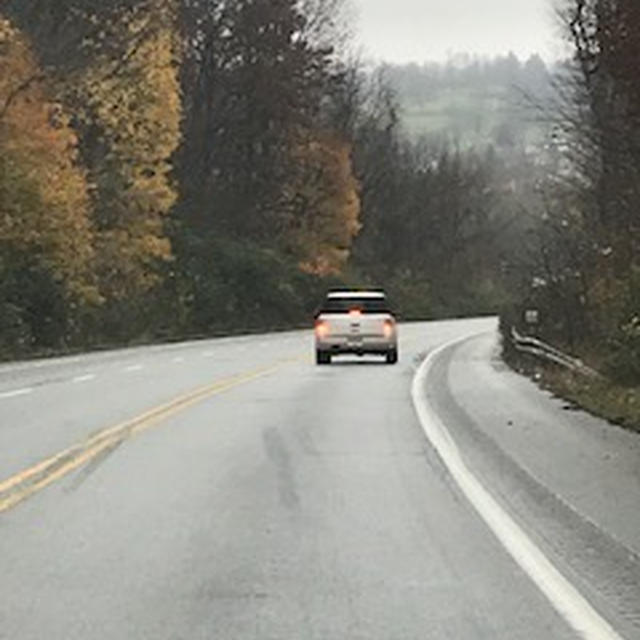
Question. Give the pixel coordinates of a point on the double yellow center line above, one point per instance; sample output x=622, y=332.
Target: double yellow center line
x=26, y=483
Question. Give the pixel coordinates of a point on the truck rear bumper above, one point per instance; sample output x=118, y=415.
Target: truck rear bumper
x=357, y=347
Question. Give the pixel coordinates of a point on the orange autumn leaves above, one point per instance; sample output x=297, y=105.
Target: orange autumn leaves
x=86, y=164
x=53, y=201
x=44, y=201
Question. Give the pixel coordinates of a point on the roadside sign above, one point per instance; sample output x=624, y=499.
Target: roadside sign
x=532, y=316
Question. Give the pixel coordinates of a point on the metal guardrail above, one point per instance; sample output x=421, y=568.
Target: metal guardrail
x=544, y=351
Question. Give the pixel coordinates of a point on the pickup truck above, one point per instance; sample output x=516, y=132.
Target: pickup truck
x=358, y=323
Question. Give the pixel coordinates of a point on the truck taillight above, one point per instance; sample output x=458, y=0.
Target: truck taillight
x=322, y=329
x=389, y=328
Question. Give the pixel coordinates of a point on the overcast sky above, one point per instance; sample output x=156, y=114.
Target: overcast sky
x=420, y=30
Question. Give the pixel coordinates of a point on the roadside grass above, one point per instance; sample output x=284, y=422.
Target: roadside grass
x=599, y=396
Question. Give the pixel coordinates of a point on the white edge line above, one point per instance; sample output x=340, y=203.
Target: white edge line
x=564, y=597
x=16, y=393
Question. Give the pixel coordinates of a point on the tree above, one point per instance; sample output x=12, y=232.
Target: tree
x=44, y=203
x=324, y=204
x=130, y=128
x=582, y=271
x=265, y=161
x=252, y=80
x=379, y=167
x=601, y=117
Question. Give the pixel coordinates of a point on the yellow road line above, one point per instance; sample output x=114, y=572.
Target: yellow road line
x=24, y=484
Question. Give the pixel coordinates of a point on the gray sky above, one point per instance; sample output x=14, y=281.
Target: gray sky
x=419, y=30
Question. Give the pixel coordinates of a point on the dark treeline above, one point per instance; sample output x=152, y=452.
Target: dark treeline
x=432, y=223
x=175, y=168
x=580, y=260
x=420, y=83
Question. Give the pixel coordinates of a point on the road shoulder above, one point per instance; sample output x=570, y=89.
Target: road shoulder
x=566, y=476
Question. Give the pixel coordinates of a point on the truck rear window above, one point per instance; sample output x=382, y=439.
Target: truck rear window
x=364, y=305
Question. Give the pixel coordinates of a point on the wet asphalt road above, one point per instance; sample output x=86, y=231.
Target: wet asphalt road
x=289, y=501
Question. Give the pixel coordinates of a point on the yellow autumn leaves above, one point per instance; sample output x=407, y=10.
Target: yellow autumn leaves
x=326, y=203
x=145, y=147
x=138, y=113
x=97, y=223
x=44, y=202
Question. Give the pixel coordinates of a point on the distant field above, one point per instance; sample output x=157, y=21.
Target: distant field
x=472, y=118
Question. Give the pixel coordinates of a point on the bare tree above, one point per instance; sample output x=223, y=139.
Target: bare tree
x=330, y=25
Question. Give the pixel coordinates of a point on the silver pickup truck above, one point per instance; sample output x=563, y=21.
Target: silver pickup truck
x=355, y=322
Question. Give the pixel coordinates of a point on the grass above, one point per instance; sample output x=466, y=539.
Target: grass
x=599, y=396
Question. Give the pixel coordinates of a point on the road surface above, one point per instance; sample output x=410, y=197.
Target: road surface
x=230, y=489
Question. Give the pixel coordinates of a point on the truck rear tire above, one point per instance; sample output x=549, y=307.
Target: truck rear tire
x=322, y=357
x=392, y=356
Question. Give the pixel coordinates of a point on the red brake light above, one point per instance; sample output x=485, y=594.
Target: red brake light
x=389, y=327
x=322, y=328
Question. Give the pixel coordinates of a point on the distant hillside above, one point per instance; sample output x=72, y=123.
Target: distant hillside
x=474, y=102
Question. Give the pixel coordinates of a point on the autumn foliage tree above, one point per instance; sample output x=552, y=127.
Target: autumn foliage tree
x=113, y=67
x=324, y=205
x=265, y=164
x=130, y=127
x=186, y=167
x=46, y=248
